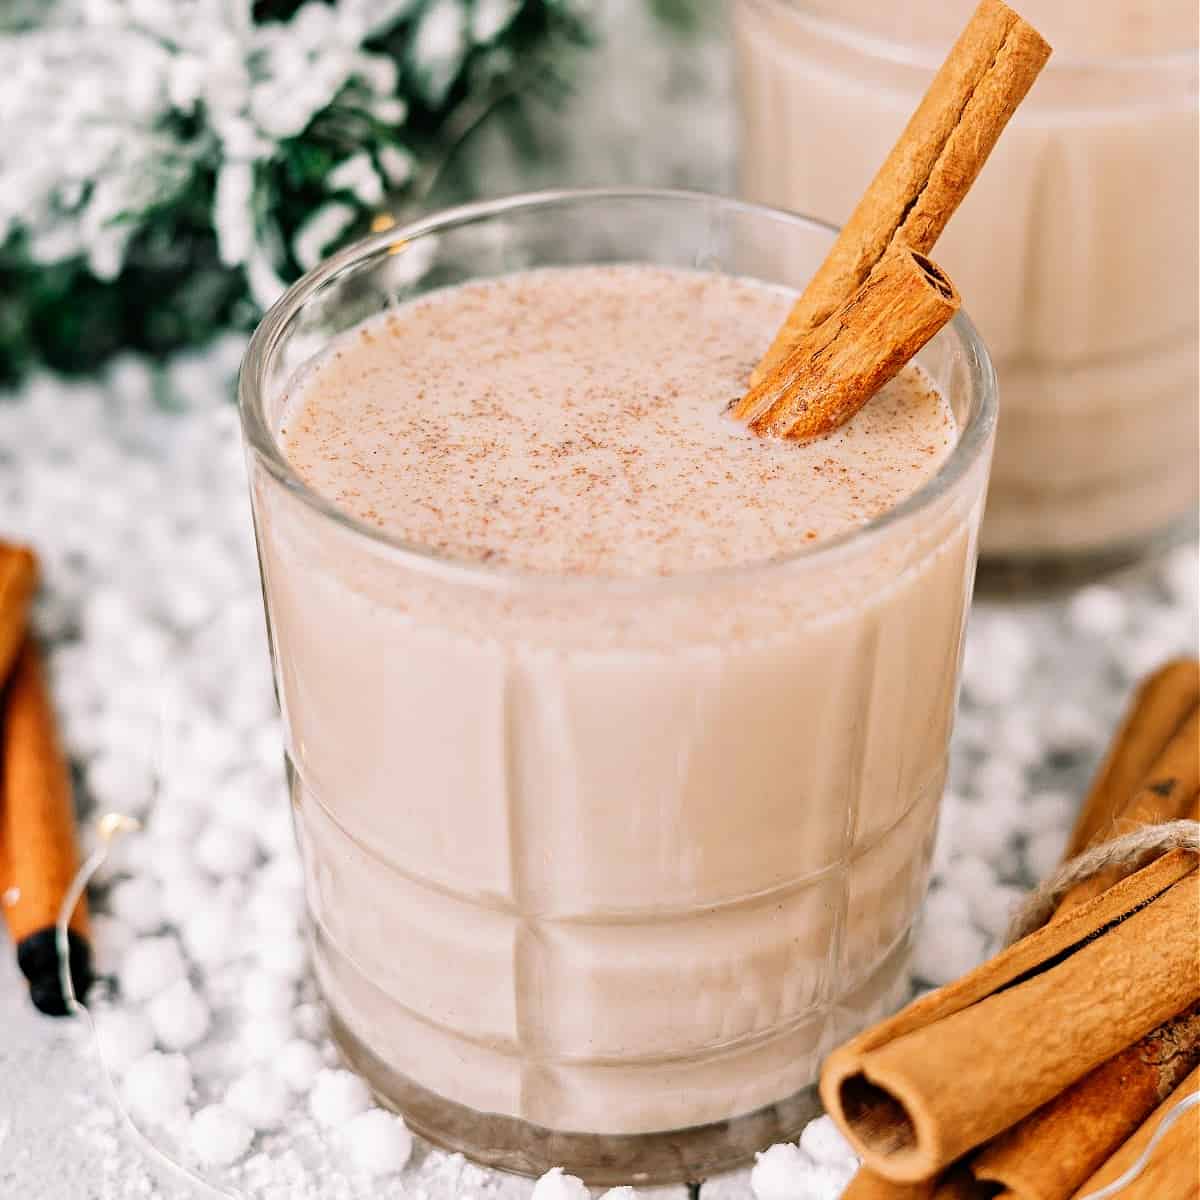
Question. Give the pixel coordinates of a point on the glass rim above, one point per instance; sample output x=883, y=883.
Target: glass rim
x=910, y=54
x=262, y=442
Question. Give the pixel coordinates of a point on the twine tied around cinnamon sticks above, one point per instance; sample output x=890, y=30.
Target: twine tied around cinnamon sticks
x=1126, y=854
x=877, y=299
x=1043, y=1073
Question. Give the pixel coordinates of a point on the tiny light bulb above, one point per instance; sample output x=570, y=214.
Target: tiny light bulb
x=113, y=824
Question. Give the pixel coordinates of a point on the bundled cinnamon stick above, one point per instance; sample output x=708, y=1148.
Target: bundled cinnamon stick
x=1159, y=707
x=38, y=854
x=905, y=208
x=866, y=1185
x=1049, y=1153
x=1173, y=1169
x=1169, y=717
x=959, y=1065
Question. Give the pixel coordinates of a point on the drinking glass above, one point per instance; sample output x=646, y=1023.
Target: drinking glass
x=598, y=869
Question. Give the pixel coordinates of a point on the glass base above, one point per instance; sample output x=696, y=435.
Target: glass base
x=676, y=1156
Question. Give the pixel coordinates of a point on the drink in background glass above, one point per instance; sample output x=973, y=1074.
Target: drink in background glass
x=1076, y=250
x=616, y=735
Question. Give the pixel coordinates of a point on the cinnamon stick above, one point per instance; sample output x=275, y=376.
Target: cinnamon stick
x=1165, y=793
x=1170, y=784
x=18, y=579
x=955, y=1184
x=1049, y=1154
x=930, y=169
x=1053, y=1151
x=958, y=1066
x=1158, y=709
x=833, y=370
x=37, y=831
x=1173, y=1170
x=866, y=1185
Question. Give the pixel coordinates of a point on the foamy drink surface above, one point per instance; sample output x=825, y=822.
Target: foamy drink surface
x=571, y=421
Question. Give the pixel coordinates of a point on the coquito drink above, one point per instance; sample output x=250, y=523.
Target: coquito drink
x=617, y=734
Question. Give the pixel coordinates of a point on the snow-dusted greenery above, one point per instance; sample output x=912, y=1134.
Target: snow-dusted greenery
x=167, y=165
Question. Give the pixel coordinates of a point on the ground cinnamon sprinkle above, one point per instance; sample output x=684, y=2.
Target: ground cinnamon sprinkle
x=558, y=421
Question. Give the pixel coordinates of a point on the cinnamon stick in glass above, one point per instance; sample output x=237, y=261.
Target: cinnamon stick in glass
x=960, y=1065
x=833, y=370
x=39, y=858
x=931, y=168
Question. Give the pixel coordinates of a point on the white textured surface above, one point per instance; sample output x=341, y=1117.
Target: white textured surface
x=141, y=521
x=141, y=518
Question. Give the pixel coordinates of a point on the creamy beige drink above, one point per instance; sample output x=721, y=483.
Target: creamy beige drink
x=571, y=422
x=600, y=887
x=617, y=734
x=1076, y=248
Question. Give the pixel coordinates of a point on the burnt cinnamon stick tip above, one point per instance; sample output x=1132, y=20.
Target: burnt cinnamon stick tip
x=833, y=370
x=38, y=958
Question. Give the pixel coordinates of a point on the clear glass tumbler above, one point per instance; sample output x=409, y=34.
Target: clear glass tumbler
x=599, y=869
x=1076, y=250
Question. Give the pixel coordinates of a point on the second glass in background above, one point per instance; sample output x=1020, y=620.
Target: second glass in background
x=1076, y=251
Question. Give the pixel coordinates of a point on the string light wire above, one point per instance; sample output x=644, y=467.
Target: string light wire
x=110, y=828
